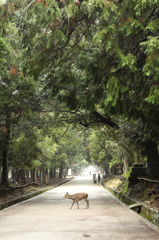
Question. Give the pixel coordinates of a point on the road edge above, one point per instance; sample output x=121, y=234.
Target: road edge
x=28, y=196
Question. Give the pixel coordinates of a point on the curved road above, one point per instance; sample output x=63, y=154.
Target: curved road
x=48, y=217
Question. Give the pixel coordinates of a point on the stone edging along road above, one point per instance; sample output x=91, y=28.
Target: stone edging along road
x=28, y=196
x=147, y=212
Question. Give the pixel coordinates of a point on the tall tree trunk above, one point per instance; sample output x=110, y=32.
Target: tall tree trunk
x=54, y=172
x=23, y=176
x=34, y=175
x=152, y=159
x=5, y=150
x=61, y=170
x=27, y=176
x=51, y=173
x=106, y=169
x=5, y=181
x=48, y=176
x=125, y=163
x=41, y=176
x=13, y=176
x=18, y=175
x=137, y=157
x=113, y=170
x=44, y=176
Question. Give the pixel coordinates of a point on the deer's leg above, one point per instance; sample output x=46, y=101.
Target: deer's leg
x=87, y=203
x=72, y=204
x=77, y=204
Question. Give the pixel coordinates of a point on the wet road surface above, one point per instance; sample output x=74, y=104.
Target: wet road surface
x=48, y=217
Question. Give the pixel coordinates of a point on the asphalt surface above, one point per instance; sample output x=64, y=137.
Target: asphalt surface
x=48, y=217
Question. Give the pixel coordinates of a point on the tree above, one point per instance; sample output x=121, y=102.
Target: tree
x=99, y=59
x=115, y=76
x=23, y=153
x=17, y=96
x=99, y=152
x=70, y=152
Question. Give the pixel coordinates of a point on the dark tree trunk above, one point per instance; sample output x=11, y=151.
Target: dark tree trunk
x=14, y=176
x=34, y=175
x=51, y=173
x=60, y=174
x=5, y=150
x=5, y=181
x=27, y=176
x=44, y=176
x=54, y=172
x=113, y=170
x=152, y=159
x=18, y=176
x=23, y=176
x=106, y=169
x=61, y=170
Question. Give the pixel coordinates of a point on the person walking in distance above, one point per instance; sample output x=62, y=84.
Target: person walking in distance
x=99, y=178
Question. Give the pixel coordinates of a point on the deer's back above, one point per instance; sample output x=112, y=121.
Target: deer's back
x=80, y=196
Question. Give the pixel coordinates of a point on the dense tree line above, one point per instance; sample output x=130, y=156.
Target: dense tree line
x=89, y=63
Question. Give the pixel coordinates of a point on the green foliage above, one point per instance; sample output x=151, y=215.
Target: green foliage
x=24, y=153
x=104, y=152
x=116, y=160
x=125, y=188
x=5, y=49
x=151, y=67
x=127, y=174
x=115, y=88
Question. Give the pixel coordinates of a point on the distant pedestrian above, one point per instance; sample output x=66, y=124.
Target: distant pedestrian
x=99, y=178
x=94, y=178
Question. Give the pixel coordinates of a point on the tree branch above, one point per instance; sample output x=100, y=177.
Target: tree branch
x=29, y=5
x=106, y=121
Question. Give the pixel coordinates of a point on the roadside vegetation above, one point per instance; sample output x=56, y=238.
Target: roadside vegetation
x=139, y=192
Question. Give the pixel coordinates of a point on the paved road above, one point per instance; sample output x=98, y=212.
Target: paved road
x=48, y=217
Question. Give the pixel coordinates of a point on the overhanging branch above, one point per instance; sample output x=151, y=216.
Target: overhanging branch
x=105, y=120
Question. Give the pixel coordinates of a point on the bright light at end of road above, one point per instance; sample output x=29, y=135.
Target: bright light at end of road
x=89, y=171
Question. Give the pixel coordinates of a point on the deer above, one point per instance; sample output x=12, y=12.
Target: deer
x=78, y=197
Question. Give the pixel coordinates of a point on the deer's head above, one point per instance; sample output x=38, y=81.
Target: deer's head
x=66, y=195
